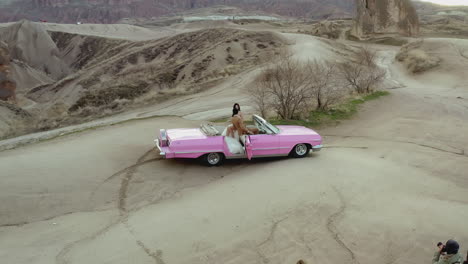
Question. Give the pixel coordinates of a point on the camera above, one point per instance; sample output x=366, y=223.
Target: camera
x=442, y=247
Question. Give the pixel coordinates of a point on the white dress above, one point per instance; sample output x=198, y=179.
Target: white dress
x=233, y=143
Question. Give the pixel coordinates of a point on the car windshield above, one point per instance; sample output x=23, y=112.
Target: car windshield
x=262, y=124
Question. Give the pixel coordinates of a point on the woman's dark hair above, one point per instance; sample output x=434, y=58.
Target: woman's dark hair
x=235, y=110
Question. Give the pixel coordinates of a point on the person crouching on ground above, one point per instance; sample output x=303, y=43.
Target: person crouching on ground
x=448, y=253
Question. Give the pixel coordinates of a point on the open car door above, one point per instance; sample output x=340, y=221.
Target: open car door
x=248, y=147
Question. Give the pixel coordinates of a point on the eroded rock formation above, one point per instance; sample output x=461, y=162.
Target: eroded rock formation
x=7, y=84
x=385, y=17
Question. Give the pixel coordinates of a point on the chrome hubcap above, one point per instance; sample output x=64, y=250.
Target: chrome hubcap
x=301, y=149
x=213, y=158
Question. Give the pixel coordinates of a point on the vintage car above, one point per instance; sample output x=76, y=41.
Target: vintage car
x=210, y=143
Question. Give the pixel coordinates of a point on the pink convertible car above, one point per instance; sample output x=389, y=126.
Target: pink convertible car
x=210, y=143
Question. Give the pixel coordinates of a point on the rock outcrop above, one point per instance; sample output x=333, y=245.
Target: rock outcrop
x=385, y=17
x=30, y=43
x=7, y=85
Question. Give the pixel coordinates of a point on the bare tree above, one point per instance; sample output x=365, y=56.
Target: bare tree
x=326, y=87
x=289, y=86
x=363, y=76
x=260, y=96
x=362, y=79
x=292, y=88
x=366, y=56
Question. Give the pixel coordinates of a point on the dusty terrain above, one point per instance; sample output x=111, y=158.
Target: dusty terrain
x=67, y=74
x=83, y=72
x=442, y=21
x=390, y=183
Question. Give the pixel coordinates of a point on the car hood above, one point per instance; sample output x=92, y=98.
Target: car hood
x=296, y=130
x=185, y=134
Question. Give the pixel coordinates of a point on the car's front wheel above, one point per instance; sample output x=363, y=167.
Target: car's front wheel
x=213, y=159
x=300, y=150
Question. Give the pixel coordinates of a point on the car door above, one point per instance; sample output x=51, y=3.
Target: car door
x=264, y=145
x=248, y=147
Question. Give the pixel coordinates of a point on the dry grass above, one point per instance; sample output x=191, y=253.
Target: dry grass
x=14, y=121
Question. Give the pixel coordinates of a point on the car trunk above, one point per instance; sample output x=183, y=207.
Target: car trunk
x=185, y=134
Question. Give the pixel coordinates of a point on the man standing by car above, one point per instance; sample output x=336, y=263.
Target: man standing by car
x=448, y=253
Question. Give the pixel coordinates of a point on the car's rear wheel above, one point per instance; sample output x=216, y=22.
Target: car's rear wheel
x=213, y=159
x=300, y=150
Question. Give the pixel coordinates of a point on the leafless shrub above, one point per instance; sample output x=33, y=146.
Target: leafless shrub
x=165, y=85
x=327, y=89
x=291, y=88
x=288, y=85
x=260, y=96
x=167, y=80
x=361, y=79
x=366, y=56
x=363, y=76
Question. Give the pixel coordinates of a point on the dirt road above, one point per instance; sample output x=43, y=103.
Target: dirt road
x=389, y=184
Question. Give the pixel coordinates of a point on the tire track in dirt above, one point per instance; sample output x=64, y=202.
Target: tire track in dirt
x=270, y=237
x=117, y=174
x=331, y=226
x=344, y=147
x=122, y=206
x=61, y=256
x=460, y=152
x=123, y=219
x=129, y=173
x=156, y=256
x=19, y=224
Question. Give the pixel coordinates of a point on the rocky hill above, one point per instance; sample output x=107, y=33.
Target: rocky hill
x=65, y=78
x=442, y=21
x=110, y=11
x=111, y=72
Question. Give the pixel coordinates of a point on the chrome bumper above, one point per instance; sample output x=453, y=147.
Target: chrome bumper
x=158, y=146
x=317, y=148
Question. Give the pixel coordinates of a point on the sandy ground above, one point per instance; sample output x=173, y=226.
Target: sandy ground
x=389, y=184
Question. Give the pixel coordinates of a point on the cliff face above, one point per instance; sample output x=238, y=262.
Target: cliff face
x=385, y=16
x=30, y=43
x=7, y=85
x=111, y=11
